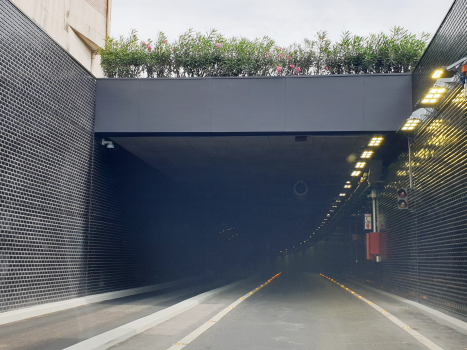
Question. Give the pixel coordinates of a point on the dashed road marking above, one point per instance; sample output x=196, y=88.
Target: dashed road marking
x=422, y=339
x=203, y=328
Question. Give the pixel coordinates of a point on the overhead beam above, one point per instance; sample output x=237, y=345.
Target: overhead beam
x=333, y=103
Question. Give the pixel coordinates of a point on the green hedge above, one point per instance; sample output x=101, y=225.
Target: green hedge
x=213, y=55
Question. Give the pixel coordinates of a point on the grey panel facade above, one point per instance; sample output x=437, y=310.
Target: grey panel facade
x=350, y=103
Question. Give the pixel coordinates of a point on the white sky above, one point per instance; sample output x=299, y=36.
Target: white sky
x=284, y=21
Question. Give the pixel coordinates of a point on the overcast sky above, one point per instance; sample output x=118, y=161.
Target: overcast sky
x=284, y=21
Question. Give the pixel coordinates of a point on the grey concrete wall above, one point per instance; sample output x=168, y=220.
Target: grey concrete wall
x=337, y=103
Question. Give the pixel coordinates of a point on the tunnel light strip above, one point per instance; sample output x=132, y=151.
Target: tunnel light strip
x=425, y=341
x=200, y=330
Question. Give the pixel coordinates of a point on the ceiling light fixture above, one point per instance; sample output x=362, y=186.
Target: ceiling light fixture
x=360, y=165
x=376, y=141
x=367, y=154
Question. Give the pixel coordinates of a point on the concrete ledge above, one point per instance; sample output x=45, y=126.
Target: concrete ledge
x=44, y=309
x=122, y=333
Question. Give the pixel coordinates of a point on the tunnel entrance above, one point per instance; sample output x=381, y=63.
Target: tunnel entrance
x=274, y=189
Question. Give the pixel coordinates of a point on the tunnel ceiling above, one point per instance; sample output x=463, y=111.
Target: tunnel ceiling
x=241, y=177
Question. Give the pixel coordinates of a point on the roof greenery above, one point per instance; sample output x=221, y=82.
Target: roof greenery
x=195, y=54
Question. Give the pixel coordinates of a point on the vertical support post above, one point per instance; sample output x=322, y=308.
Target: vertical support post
x=373, y=197
x=410, y=164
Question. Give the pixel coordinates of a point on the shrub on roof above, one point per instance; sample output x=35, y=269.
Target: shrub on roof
x=195, y=54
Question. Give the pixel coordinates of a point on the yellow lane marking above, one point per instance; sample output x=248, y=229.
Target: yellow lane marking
x=203, y=328
x=425, y=341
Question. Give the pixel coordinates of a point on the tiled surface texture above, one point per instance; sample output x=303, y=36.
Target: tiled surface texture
x=67, y=203
x=426, y=244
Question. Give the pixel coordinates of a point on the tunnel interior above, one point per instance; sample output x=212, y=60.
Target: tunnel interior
x=240, y=203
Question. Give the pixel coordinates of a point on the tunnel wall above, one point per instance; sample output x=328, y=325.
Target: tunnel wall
x=427, y=258
x=46, y=144
x=76, y=218
x=446, y=47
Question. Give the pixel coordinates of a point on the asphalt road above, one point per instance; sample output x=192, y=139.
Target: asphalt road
x=294, y=311
x=65, y=328
x=300, y=311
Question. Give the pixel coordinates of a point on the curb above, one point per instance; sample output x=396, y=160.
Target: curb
x=44, y=309
x=122, y=333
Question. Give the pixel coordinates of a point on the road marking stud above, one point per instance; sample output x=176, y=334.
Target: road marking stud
x=406, y=327
x=383, y=312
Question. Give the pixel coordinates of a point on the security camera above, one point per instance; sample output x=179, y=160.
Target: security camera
x=109, y=144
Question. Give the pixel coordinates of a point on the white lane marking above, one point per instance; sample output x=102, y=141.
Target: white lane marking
x=422, y=339
x=119, y=334
x=203, y=328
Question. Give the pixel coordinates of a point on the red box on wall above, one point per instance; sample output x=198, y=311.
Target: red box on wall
x=375, y=245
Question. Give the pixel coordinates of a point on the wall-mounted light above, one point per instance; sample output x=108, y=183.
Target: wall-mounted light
x=355, y=173
x=453, y=74
x=342, y=194
x=418, y=116
x=437, y=74
x=449, y=70
x=410, y=124
x=347, y=186
x=433, y=96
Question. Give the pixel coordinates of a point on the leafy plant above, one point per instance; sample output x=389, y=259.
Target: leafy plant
x=212, y=55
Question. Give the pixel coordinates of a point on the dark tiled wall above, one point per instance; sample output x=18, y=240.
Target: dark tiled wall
x=427, y=255
x=71, y=218
x=46, y=145
x=448, y=46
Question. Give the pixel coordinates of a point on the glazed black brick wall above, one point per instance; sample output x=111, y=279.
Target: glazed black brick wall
x=46, y=145
x=448, y=45
x=427, y=256
x=75, y=217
